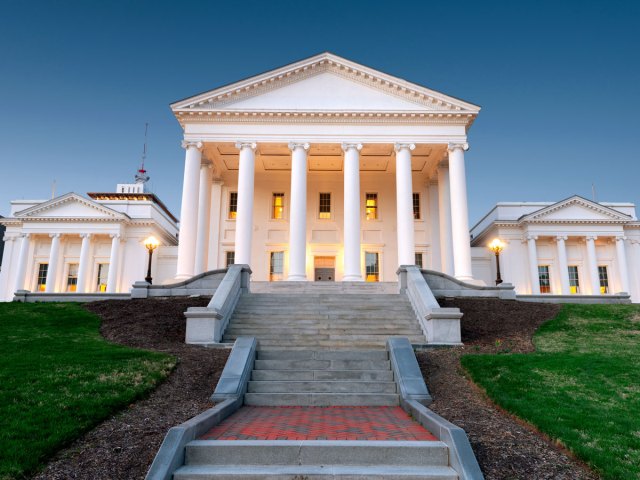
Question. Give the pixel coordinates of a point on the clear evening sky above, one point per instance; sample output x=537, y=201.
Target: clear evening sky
x=558, y=82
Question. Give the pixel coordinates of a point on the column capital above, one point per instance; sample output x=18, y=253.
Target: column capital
x=55, y=235
x=531, y=237
x=86, y=235
x=187, y=144
x=562, y=238
x=620, y=238
x=349, y=146
x=401, y=146
x=294, y=145
x=243, y=145
x=7, y=238
x=116, y=235
x=25, y=235
x=589, y=238
x=452, y=146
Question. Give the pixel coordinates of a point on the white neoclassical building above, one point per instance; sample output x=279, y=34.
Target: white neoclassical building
x=322, y=170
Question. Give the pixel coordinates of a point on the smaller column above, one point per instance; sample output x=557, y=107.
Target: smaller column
x=244, y=220
x=214, y=231
x=444, y=216
x=635, y=268
x=459, y=212
x=204, y=217
x=404, y=204
x=7, y=263
x=592, y=264
x=114, y=260
x=83, y=268
x=434, y=227
x=22, y=263
x=352, y=270
x=52, y=269
x=533, y=264
x=298, y=213
x=621, y=257
x=562, y=264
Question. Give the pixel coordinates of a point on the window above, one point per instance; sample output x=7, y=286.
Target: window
x=419, y=259
x=574, y=281
x=416, y=206
x=276, y=266
x=544, y=279
x=72, y=277
x=103, y=274
x=42, y=276
x=603, y=275
x=325, y=206
x=278, y=206
x=371, y=206
x=233, y=205
x=231, y=258
x=371, y=266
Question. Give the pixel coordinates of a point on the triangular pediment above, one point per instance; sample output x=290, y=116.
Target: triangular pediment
x=575, y=209
x=70, y=206
x=324, y=83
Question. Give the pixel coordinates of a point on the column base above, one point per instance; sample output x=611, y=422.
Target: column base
x=352, y=278
x=297, y=278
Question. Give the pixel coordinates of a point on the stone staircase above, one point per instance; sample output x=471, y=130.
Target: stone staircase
x=308, y=459
x=322, y=378
x=324, y=320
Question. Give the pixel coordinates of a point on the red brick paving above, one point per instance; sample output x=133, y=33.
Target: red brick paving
x=319, y=423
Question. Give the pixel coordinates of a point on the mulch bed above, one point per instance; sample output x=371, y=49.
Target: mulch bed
x=124, y=446
x=505, y=447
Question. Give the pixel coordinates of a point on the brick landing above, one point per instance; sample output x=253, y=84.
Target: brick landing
x=319, y=423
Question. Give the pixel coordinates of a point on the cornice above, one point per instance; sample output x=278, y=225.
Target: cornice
x=538, y=216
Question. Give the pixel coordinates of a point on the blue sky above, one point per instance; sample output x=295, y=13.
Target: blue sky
x=559, y=83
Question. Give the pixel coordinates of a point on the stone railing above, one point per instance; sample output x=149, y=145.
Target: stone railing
x=206, y=325
x=203, y=284
x=443, y=285
x=440, y=325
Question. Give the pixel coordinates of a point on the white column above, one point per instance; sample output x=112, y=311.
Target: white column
x=22, y=263
x=352, y=270
x=635, y=269
x=444, y=215
x=621, y=257
x=434, y=225
x=459, y=212
x=204, y=206
x=83, y=268
x=562, y=264
x=52, y=269
x=114, y=261
x=214, y=227
x=533, y=264
x=189, y=210
x=404, y=204
x=298, y=212
x=592, y=265
x=244, y=219
x=7, y=264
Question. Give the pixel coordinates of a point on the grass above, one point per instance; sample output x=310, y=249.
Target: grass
x=59, y=378
x=581, y=386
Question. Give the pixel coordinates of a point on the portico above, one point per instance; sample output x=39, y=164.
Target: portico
x=324, y=158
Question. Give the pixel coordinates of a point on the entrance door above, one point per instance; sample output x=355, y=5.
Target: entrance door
x=324, y=269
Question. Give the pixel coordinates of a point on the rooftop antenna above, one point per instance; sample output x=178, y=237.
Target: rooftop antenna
x=593, y=192
x=141, y=176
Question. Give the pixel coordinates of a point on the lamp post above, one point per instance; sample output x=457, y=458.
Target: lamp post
x=496, y=246
x=151, y=244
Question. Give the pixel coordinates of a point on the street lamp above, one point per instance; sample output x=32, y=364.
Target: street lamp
x=496, y=246
x=151, y=244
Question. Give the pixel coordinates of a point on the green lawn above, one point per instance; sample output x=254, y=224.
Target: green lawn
x=59, y=378
x=581, y=387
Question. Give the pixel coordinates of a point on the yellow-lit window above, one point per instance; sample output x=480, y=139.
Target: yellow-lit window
x=103, y=274
x=230, y=258
x=603, y=275
x=72, y=277
x=416, y=206
x=371, y=206
x=418, y=258
x=276, y=266
x=325, y=206
x=372, y=266
x=278, y=206
x=233, y=204
x=42, y=276
x=544, y=279
x=574, y=280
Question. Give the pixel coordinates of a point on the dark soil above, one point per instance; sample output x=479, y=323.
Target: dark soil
x=505, y=447
x=124, y=446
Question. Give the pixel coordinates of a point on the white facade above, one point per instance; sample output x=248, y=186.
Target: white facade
x=578, y=247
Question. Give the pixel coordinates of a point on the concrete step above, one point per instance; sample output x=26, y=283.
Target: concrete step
x=313, y=472
x=322, y=365
x=336, y=375
x=275, y=332
x=289, y=344
x=321, y=399
x=276, y=323
x=319, y=386
x=316, y=452
x=311, y=355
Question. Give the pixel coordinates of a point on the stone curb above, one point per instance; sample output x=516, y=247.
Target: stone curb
x=237, y=371
x=407, y=371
